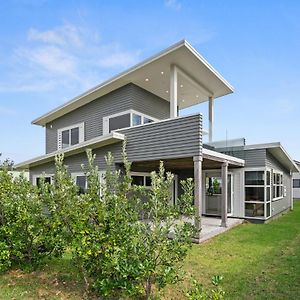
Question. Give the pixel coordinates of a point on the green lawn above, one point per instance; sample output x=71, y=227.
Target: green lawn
x=257, y=262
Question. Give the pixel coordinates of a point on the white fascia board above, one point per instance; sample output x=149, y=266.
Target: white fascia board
x=208, y=65
x=262, y=146
x=278, y=145
x=97, y=142
x=222, y=157
x=82, y=98
x=295, y=166
x=39, y=121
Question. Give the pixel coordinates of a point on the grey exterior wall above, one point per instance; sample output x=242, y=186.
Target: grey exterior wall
x=261, y=158
x=278, y=206
x=169, y=139
x=253, y=158
x=174, y=138
x=127, y=97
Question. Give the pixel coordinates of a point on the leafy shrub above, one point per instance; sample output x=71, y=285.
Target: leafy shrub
x=199, y=292
x=25, y=228
x=120, y=253
x=123, y=245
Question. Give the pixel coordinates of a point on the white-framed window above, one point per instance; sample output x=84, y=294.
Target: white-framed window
x=144, y=179
x=141, y=179
x=36, y=179
x=125, y=119
x=258, y=193
x=70, y=136
x=278, y=189
x=81, y=180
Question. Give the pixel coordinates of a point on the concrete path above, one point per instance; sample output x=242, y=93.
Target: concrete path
x=212, y=226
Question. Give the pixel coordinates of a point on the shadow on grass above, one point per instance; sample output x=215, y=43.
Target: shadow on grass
x=59, y=279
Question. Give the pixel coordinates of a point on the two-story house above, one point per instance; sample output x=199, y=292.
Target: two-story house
x=142, y=104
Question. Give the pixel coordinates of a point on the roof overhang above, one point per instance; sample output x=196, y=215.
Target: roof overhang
x=98, y=142
x=279, y=153
x=220, y=157
x=197, y=81
x=297, y=164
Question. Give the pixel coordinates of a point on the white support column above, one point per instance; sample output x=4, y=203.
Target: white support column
x=198, y=191
x=211, y=117
x=173, y=92
x=224, y=194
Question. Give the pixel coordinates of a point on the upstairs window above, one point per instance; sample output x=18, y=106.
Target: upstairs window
x=129, y=118
x=70, y=136
x=118, y=122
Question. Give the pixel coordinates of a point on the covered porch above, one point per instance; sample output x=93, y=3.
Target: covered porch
x=196, y=167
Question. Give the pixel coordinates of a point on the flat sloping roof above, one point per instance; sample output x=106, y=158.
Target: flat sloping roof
x=112, y=138
x=153, y=74
x=217, y=156
x=277, y=150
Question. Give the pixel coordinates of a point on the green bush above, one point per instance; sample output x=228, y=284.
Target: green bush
x=120, y=253
x=25, y=228
x=127, y=241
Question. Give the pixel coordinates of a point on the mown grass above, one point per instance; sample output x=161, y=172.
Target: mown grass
x=257, y=261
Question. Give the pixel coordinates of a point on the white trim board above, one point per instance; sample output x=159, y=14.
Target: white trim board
x=174, y=54
x=112, y=138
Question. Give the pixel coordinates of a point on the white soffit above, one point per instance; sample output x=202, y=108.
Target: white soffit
x=282, y=156
x=153, y=75
x=98, y=142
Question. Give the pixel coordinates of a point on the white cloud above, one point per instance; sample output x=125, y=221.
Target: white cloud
x=67, y=34
x=51, y=58
x=64, y=58
x=173, y=4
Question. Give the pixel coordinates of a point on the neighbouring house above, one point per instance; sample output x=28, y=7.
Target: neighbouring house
x=296, y=183
x=142, y=104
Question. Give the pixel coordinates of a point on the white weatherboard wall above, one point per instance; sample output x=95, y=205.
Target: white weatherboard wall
x=296, y=191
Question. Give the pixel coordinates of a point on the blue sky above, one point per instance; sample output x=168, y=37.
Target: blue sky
x=50, y=51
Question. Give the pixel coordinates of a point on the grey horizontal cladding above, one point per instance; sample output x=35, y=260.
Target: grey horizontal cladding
x=127, y=97
x=169, y=139
x=253, y=158
x=174, y=138
x=149, y=104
